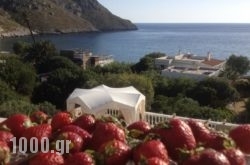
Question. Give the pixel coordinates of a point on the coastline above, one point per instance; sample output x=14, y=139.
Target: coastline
x=26, y=32
x=15, y=33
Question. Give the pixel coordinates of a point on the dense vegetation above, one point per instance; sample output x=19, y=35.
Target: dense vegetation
x=22, y=89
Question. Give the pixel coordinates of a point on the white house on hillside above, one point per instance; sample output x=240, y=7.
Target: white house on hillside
x=189, y=65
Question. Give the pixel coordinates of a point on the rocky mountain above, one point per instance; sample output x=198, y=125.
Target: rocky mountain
x=58, y=16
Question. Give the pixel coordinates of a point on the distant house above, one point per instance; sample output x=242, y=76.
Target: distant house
x=189, y=65
x=194, y=73
x=86, y=58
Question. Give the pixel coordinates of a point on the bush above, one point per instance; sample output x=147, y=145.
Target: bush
x=18, y=75
x=11, y=107
x=213, y=92
x=47, y=107
x=188, y=107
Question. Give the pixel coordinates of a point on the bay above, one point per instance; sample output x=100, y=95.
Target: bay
x=221, y=40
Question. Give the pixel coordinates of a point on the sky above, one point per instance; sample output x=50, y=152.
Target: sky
x=181, y=11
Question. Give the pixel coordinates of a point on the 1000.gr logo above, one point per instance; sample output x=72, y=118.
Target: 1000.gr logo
x=61, y=146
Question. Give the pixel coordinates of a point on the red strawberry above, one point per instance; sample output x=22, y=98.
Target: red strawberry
x=192, y=160
x=156, y=161
x=86, y=122
x=149, y=149
x=84, y=134
x=105, y=132
x=207, y=157
x=201, y=132
x=114, y=152
x=80, y=158
x=138, y=129
x=235, y=156
x=18, y=123
x=48, y=158
x=75, y=141
x=60, y=119
x=39, y=117
x=39, y=132
x=176, y=135
x=240, y=135
x=5, y=136
x=219, y=141
x=4, y=153
x=212, y=157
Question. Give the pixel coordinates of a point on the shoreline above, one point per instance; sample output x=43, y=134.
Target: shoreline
x=26, y=32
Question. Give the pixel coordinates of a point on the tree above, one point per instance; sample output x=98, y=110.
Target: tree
x=140, y=82
x=113, y=68
x=55, y=62
x=11, y=107
x=238, y=64
x=243, y=87
x=61, y=82
x=21, y=48
x=6, y=93
x=40, y=51
x=147, y=62
x=47, y=107
x=213, y=92
x=18, y=75
x=173, y=87
x=187, y=107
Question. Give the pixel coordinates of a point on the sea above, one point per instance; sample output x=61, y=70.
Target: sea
x=221, y=40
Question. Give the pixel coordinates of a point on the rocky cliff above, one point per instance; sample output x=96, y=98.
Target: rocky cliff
x=58, y=16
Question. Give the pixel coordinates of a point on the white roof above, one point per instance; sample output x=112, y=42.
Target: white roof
x=103, y=95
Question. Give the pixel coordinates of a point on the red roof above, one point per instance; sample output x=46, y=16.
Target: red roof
x=213, y=62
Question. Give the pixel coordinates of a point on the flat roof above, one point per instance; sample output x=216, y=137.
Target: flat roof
x=199, y=71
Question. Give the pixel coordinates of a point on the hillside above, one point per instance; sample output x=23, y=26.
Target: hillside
x=97, y=14
x=9, y=27
x=58, y=16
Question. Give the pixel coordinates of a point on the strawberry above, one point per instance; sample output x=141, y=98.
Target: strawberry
x=6, y=136
x=240, y=135
x=60, y=119
x=149, y=149
x=84, y=134
x=219, y=141
x=114, y=152
x=176, y=135
x=39, y=117
x=86, y=122
x=4, y=153
x=192, y=160
x=104, y=132
x=39, y=132
x=201, y=132
x=235, y=156
x=47, y=158
x=18, y=123
x=139, y=129
x=212, y=157
x=76, y=141
x=156, y=161
x=80, y=158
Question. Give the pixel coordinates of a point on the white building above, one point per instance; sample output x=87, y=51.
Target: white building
x=189, y=60
x=189, y=65
x=194, y=73
x=101, y=100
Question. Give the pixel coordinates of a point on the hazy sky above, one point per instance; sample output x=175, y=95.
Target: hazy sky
x=181, y=11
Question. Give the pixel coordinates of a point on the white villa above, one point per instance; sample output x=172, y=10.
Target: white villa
x=189, y=65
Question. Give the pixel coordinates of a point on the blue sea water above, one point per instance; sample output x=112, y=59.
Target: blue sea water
x=221, y=40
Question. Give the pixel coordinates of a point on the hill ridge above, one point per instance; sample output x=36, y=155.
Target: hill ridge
x=58, y=16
